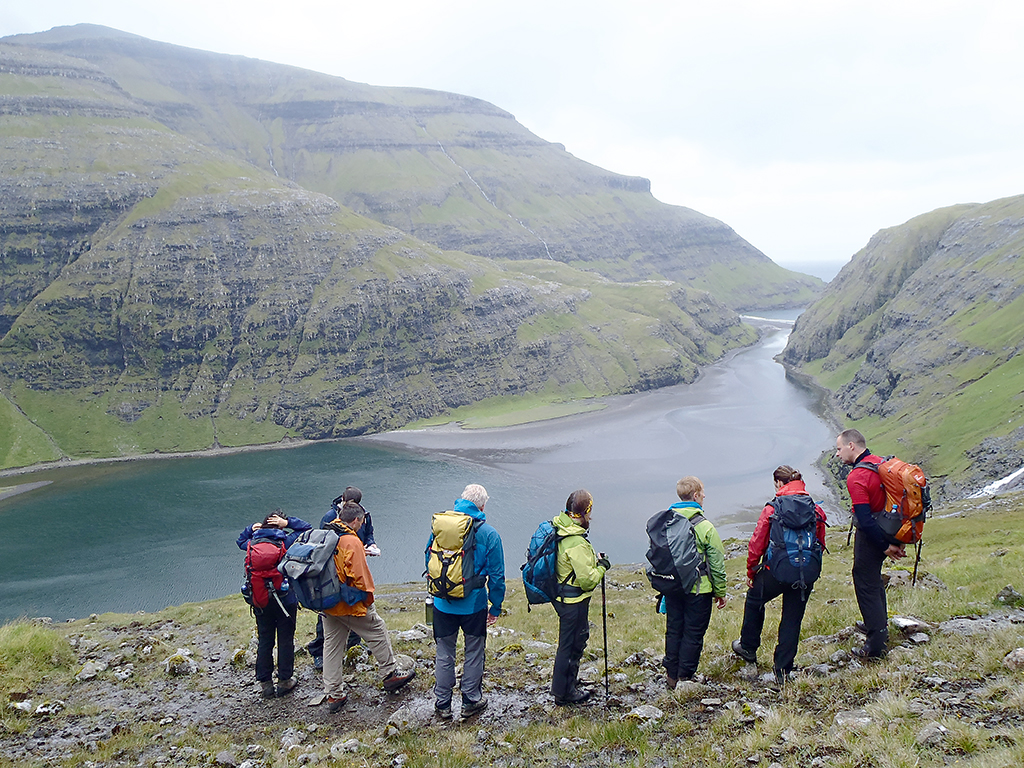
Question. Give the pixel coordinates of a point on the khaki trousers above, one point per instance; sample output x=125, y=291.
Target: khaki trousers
x=372, y=629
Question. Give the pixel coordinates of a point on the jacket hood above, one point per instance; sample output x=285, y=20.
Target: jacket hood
x=566, y=526
x=793, y=488
x=467, y=507
x=687, y=508
x=274, y=534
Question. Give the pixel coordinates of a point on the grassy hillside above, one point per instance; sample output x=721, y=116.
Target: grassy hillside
x=164, y=294
x=834, y=712
x=918, y=337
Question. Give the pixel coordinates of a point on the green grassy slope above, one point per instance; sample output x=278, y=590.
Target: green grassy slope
x=919, y=337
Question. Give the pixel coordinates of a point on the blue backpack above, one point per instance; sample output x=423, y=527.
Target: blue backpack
x=540, y=578
x=794, y=552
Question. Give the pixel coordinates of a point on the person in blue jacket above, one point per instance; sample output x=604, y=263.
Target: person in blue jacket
x=277, y=619
x=469, y=613
x=351, y=493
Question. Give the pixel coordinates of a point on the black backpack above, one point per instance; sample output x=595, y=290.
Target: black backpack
x=676, y=560
x=794, y=552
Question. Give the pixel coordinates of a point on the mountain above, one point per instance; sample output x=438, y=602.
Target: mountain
x=919, y=338
x=201, y=250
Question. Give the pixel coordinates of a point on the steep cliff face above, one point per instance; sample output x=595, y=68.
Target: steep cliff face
x=448, y=169
x=160, y=294
x=920, y=339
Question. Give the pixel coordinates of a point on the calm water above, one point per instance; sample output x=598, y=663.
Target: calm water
x=144, y=535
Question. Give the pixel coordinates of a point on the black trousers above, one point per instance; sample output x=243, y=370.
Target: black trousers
x=794, y=601
x=867, y=585
x=573, y=633
x=273, y=623
x=686, y=620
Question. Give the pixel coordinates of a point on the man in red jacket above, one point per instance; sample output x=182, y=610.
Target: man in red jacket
x=870, y=546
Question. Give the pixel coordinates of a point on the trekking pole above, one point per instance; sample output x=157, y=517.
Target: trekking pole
x=917, y=561
x=604, y=623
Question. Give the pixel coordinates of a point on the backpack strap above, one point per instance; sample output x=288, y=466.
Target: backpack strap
x=703, y=569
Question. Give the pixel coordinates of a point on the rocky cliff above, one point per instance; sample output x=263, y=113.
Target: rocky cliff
x=919, y=338
x=163, y=287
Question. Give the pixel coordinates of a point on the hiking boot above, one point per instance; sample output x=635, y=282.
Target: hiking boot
x=861, y=627
x=470, y=708
x=743, y=653
x=443, y=711
x=318, y=663
x=671, y=683
x=863, y=654
x=574, y=697
x=284, y=687
x=396, y=680
x=780, y=676
x=334, y=706
x=267, y=689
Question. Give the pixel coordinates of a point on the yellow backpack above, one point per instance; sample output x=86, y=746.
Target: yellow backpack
x=451, y=570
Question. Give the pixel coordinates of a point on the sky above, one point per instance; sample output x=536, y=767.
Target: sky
x=805, y=125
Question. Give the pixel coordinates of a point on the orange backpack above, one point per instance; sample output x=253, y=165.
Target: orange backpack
x=907, y=499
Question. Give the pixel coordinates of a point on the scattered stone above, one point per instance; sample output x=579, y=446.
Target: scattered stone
x=341, y=748
x=90, y=669
x=415, y=714
x=226, y=758
x=645, y=713
x=932, y=734
x=821, y=670
x=180, y=663
x=710, y=702
x=49, y=707
x=125, y=673
x=292, y=738
x=919, y=638
x=908, y=624
x=412, y=635
x=689, y=687
x=852, y=719
x=1014, y=660
x=308, y=758
x=23, y=706
x=1009, y=596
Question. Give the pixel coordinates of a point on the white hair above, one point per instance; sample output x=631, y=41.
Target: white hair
x=476, y=494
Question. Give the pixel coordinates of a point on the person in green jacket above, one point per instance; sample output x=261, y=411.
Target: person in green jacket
x=688, y=616
x=579, y=572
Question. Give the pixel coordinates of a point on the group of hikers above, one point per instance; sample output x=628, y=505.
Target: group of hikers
x=465, y=569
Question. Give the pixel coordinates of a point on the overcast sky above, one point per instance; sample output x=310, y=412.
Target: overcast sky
x=806, y=125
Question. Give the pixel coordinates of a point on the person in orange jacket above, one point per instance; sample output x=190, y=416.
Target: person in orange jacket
x=355, y=612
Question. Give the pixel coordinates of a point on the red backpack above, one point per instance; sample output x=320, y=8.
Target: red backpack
x=261, y=574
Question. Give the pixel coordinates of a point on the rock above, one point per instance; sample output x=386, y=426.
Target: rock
x=415, y=714
x=411, y=635
x=308, y=758
x=226, y=758
x=689, y=687
x=22, y=706
x=90, y=669
x=919, y=638
x=1009, y=596
x=645, y=714
x=292, y=738
x=711, y=702
x=49, y=707
x=180, y=663
x=932, y=734
x=852, y=720
x=908, y=624
x=341, y=748
x=1014, y=660
x=821, y=670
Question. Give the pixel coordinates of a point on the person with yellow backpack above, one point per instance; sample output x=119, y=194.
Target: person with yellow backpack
x=465, y=571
